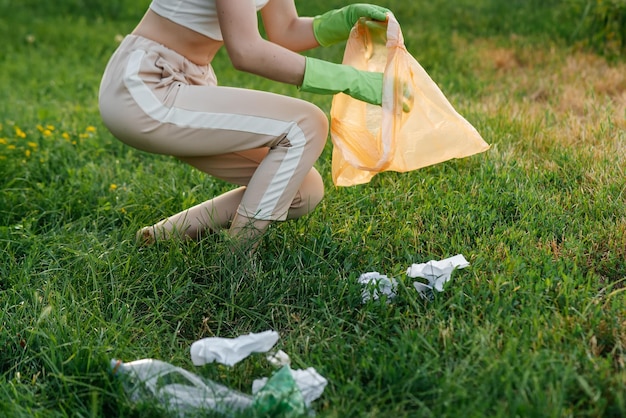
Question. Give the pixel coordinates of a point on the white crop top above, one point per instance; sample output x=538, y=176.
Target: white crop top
x=197, y=15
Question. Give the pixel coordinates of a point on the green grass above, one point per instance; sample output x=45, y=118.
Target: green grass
x=534, y=327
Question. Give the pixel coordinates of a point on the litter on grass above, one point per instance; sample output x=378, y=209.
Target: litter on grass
x=377, y=284
x=230, y=351
x=286, y=393
x=310, y=383
x=436, y=273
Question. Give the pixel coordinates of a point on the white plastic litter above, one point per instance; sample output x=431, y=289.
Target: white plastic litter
x=230, y=351
x=310, y=383
x=377, y=284
x=437, y=273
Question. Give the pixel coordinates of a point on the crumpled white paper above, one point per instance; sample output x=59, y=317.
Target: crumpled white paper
x=377, y=284
x=310, y=383
x=436, y=272
x=230, y=351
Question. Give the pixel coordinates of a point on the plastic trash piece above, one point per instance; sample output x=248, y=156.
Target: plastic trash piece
x=310, y=383
x=415, y=127
x=178, y=390
x=287, y=393
x=437, y=273
x=230, y=351
x=280, y=396
x=377, y=284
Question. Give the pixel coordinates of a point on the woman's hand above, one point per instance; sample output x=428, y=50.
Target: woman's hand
x=323, y=77
x=335, y=26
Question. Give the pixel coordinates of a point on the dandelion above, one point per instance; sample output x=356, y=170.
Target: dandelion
x=50, y=127
x=83, y=136
x=20, y=133
x=32, y=144
x=90, y=129
x=11, y=146
x=27, y=153
x=40, y=128
x=65, y=136
x=47, y=132
x=113, y=187
x=123, y=210
x=3, y=141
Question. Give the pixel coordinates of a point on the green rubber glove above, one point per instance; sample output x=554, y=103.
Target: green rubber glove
x=323, y=77
x=334, y=26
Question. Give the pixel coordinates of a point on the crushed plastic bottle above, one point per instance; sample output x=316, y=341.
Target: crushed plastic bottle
x=185, y=394
x=178, y=390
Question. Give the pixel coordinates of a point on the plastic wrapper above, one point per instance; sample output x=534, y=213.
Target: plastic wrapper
x=415, y=127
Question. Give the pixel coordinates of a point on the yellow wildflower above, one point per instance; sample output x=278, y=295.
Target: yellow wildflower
x=32, y=144
x=20, y=133
x=40, y=128
x=50, y=127
x=3, y=140
x=112, y=187
x=27, y=153
x=65, y=136
x=47, y=132
x=90, y=129
x=11, y=147
x=83, y=136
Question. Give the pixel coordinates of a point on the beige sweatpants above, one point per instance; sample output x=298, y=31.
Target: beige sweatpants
x=155, y=100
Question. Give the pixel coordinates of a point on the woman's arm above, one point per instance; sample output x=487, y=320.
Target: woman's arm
x=249, y=52
x=284, y=27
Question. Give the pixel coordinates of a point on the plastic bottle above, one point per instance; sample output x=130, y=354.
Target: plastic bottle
x=177, y=389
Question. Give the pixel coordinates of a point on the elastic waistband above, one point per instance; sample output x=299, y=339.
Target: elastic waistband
x=136, y=42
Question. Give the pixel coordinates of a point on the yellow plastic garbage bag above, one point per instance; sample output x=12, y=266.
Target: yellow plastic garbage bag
x=415, y=127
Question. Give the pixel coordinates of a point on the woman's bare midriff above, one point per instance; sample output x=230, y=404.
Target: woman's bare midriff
x=194, y=46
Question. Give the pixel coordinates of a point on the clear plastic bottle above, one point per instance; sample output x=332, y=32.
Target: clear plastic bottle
x=177, y=389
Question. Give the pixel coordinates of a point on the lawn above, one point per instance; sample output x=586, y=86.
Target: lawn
x=535, y=326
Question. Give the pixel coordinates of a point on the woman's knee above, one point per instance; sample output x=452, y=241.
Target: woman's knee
x=314, y=188
x=309, y=195
x=315, y=125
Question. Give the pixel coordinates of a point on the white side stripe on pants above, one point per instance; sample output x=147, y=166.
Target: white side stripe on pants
x=153, y=107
